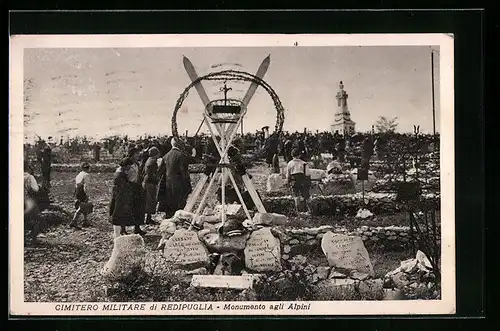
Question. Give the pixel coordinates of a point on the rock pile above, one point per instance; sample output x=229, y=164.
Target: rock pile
x=327, y=282
x=414, y=277
x=299, y=241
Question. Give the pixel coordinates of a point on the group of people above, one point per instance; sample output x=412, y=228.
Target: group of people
x=142, y=187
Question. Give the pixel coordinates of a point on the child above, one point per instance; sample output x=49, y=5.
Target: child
x=81, y=203
x=298, y=176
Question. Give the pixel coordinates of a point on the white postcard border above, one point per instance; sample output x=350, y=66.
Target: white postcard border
x=447, y=305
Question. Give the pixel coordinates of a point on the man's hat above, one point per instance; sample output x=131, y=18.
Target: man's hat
x=127, y=161
x=132, y=151
x=153, y=151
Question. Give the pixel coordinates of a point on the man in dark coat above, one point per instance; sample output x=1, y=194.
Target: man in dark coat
x=45, y=158
x=97, y=151
x=176, y=184
x=288, y=150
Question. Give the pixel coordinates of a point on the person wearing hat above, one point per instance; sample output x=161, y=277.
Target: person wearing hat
x=82, y=182
x=144, y=155
x=150, y=183
x=177, y=182
x=287, y=150
x=341, y=148
x=134, y=176
x=45, y=159
x=121, y=211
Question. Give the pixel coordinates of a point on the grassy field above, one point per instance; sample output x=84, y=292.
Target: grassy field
x=65, y=266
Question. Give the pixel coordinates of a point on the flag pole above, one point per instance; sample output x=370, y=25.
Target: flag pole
x=433, y=98
x=433, y=102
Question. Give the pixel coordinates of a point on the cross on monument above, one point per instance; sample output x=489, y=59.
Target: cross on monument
x=225, y=89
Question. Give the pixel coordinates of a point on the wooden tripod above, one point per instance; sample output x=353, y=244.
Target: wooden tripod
x=227, y=134
x=223, y=171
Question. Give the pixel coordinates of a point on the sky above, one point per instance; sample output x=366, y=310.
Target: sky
x=102, y=91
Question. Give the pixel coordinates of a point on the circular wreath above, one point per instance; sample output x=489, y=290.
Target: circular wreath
x=233, y=75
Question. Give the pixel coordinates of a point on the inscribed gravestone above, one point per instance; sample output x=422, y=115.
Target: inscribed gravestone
x=346, y=252
x=262, y=252
x=274, y=183
x=185, y=249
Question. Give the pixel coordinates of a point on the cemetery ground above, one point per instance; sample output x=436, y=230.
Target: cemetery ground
x=66, y=264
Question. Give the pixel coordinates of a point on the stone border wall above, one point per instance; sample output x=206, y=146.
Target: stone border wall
x=302, y=241
x=107, y=167
x=348, y=204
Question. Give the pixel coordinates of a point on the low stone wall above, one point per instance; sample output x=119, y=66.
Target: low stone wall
x=348, y=204
x=302, y=241
x=107, y=167
x=76, y=167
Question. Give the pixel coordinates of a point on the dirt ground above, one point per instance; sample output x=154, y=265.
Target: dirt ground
x=65, y=265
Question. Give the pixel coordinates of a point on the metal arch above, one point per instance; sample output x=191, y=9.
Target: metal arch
x=232, y=75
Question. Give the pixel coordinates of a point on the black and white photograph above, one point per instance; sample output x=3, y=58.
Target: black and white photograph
x=232, y=175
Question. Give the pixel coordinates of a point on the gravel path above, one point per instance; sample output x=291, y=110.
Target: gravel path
x=65, y=265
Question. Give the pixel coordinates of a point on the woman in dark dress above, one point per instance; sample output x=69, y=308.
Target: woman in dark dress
x=150, y=183
x=120, y=209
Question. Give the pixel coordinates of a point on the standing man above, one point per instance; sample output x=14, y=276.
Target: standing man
x=367, y=151
x=288, y=150
x=97, y=151
x=174, y=166
x=46, y=163
x=341, y=146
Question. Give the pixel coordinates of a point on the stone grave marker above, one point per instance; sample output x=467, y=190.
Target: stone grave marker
x=223, y=281
x=275, y=183
x=346, y=252
x=262, y=252
x=185, y=249
x=128, y=255
x=317, y=174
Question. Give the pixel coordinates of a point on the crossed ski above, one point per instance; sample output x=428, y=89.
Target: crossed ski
x=226, y=140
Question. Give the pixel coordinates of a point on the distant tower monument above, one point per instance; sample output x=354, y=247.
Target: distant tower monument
x=343, y=123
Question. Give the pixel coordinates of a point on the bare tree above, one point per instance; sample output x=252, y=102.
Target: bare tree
x=384, y=124
x=29, y=84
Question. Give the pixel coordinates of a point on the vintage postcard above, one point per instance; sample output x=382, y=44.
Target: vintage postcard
x=222, y=174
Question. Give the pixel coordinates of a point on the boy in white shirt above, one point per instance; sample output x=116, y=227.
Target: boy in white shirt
x=298, y=176
x=82, y=182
